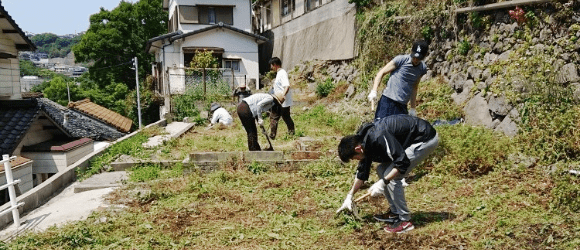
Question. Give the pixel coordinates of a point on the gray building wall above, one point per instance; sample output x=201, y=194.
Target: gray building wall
x=325, y=33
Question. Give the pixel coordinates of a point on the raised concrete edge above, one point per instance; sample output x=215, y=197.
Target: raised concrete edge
x=40, y=194
x=122, y=166
x=183, y=130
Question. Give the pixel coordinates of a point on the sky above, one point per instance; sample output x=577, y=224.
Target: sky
x=59, y=17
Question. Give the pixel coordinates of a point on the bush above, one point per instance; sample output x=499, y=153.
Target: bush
x=467, y=151
x=323, y=89
x=184, y=105
x=464, y=47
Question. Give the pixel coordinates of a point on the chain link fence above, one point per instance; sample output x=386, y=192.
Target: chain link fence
x=207, y=82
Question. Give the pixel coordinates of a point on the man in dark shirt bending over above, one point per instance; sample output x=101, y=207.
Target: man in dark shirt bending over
x=399, y=143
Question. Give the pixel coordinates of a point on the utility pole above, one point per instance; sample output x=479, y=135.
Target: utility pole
x=138, y=96
x=68, y=91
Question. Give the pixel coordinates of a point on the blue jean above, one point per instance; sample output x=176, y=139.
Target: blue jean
x=387, y=107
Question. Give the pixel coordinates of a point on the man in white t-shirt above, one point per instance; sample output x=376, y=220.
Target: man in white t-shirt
x=281, y=85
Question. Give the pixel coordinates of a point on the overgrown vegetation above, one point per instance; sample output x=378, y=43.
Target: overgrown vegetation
x=324, y=88
x=131, y=146
x=480, y=189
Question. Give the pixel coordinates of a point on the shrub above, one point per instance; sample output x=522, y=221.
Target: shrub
x=184, y=105
x=518, y=14
x=427, y=33
x=467, y=151
x=477, y=20
x=566, y=193
x=464, y=47
x=323, y=89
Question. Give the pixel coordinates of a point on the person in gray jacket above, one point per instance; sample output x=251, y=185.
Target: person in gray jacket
x=250, y=110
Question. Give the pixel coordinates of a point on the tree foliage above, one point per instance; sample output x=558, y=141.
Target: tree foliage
x=27, y=68
x=57, y=91
x=203, y=60
x=54, y=45
x=115, y=37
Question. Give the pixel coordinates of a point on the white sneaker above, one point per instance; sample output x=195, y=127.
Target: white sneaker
x=404, y=183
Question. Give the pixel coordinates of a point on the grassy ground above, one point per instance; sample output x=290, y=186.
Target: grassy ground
x=469, y=195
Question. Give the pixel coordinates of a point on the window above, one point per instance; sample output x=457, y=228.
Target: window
x=188, y=14
x=215, y=14
x=287, y=6
x=211, y=15
x=232, y=64
x=312, y=4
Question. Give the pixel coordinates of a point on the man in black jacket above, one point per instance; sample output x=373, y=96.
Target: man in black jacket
x=399, y=143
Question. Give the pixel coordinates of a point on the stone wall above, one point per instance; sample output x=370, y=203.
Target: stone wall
x=502, y=43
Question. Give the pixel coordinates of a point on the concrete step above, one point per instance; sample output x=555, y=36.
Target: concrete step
x=102, y=180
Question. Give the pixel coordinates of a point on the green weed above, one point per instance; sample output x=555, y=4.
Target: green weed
x=324, y=88
x=131, y=146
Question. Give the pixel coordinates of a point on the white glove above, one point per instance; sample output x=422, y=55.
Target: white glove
x=377, y=189
x=260, y=122
x=372, y=96
x=412, y=112
x=347, y=204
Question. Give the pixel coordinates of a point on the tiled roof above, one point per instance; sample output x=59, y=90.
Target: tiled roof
x=96, y=111
x=77, y=124
x=57, y=145
x=28, y=95
x=16, y=116
x=16, y=162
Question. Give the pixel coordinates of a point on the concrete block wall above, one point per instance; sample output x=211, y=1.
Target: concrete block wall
x=43, y=192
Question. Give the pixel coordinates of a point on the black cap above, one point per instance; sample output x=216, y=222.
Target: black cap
x=420, y=49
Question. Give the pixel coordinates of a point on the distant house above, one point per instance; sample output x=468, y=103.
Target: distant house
x=28, y=82
x=53, y=136
x=221, y=26
x=102, y=114
x=304, y=30
x=61, y=69
x=12, y=41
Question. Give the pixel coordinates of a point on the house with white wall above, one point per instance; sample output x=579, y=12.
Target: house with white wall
x=305, y=30
x=12, y=40
x=221, y=26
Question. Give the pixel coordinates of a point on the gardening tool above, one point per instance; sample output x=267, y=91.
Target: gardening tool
x=362, y=197
x=267, y=137
x=354, y=210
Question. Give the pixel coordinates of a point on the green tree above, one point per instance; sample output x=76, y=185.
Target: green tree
x=27, y=68
x=115, y=37
x=57, y=91
x=203, y=60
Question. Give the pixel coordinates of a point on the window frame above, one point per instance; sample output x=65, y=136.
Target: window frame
x=232, y=60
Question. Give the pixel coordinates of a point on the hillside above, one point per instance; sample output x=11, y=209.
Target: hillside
x=498, y=181
x=54, y=46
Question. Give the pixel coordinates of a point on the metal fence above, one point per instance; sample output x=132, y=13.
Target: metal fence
x=10, y=182
x=206, y=82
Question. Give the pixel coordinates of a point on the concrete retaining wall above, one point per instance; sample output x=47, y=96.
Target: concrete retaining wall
x=43, y=192
x=327, y=33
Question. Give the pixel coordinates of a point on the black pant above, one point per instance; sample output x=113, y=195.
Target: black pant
x=249, y=125
x=276, y=112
